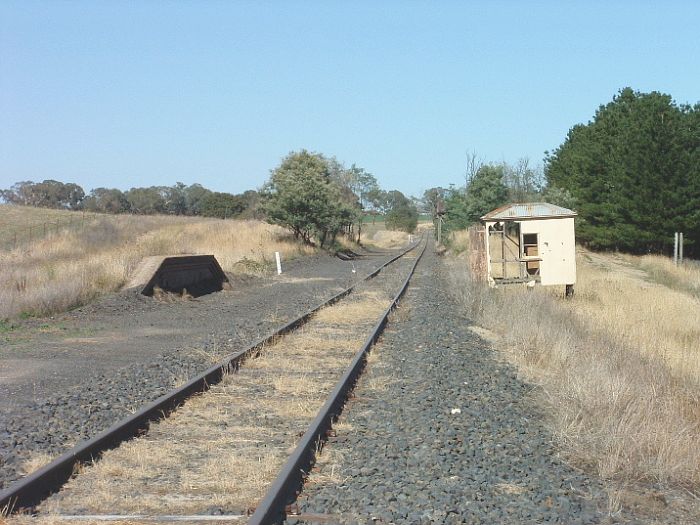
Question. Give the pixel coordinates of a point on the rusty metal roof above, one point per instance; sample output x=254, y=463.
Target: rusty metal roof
x=528, y=210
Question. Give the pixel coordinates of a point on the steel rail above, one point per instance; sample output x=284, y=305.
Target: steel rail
x=287, y=486
x=27, y=492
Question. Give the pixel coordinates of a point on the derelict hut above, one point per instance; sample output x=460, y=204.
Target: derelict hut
x=531, y=243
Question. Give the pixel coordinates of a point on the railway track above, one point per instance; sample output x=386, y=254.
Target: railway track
x=279, y=380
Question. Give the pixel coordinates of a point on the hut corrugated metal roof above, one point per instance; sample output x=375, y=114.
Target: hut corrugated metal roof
x=528, y=210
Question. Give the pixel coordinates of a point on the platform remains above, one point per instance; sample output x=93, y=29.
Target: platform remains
x=196, y=274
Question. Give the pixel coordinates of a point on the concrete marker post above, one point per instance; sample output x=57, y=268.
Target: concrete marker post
x=675, y=248
x=279, y=263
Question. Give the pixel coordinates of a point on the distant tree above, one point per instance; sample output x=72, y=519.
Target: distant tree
x=106, y=200
x=222, y=205
x=73, y=196
x=431, y=198
x=252, y=210
x=472, y=166
x=457, y=215
x=46, y=194
x=146, y=201
x=363, y=185
x=17, y=193
x=301, y=195
x=524, y=182
x=194, y=195
x=174, y=199
x=381, y=201
x=402, y=214
x=486, y=191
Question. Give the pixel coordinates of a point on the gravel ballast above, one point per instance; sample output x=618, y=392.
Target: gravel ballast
x=151, y=347
x=442, y=431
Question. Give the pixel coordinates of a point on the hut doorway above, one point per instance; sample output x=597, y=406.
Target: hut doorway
x=505, y=250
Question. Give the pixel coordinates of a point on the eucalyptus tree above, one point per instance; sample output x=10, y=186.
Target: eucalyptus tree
x=302, y=196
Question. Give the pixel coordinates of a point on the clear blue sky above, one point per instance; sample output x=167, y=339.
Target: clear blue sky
x=124, y=94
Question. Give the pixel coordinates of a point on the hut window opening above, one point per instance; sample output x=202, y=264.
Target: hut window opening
x=531, y=250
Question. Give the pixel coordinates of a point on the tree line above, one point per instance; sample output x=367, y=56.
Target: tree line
x=316, y=197
x=178, y=199
x=632, y=173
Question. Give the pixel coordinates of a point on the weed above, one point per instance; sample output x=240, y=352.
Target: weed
x=6, y=326
x=251, y=266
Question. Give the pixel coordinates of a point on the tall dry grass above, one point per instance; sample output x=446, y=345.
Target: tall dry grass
x=388, y=239
x=621, y=296
x=72, y=267
x=683, y=277
x=17, y=221
x=459, y=241
x=618, y=367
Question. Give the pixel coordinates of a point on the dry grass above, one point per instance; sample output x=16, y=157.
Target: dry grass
x=16, y=222
x=329, y=467
x=35, y=462
x=224, y=447
x=459, y=241
x=618, y=366
x=366, y=309
x=72, y=267
x=628, y=304
x=386, y=239
x=684, y=277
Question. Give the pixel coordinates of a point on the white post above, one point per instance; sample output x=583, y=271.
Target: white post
x=675, y=248
x=680, y=247
x=279, y=263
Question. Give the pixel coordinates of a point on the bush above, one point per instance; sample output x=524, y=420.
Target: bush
x=301, y=196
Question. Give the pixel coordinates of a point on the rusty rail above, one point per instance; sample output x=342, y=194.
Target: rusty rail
x=285, y=489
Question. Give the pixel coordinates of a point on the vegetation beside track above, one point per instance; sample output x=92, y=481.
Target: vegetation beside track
x=72, y=266
x=618, y=365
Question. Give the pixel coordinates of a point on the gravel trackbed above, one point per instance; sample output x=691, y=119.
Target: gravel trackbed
x=442, y=431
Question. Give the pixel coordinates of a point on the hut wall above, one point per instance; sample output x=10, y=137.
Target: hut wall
x=557, y=247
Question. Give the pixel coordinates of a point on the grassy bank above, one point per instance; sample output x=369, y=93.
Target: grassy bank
x=20, y=225
x=618, y=366
x=70, y=267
